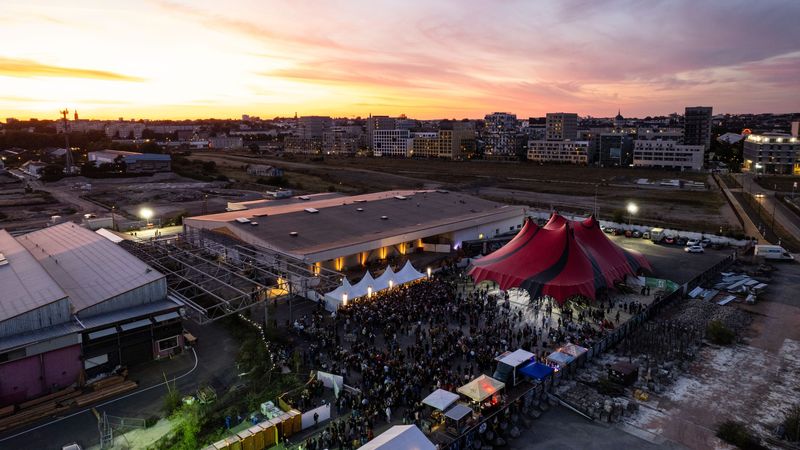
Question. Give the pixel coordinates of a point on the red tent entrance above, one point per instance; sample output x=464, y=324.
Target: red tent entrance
x=562, y=259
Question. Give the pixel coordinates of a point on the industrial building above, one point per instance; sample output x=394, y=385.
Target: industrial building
x=134, y=162
x=346, y=232
x=75, y=305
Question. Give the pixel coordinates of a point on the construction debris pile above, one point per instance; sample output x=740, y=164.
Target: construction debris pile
x=699, y=313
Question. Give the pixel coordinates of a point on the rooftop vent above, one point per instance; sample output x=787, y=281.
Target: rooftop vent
x=360, y=209
x=360, y=200
x=442, y=191
x=304, y=198
x=312, y=210
x=384, y=217
x=253, y=223
x=3, y=260
x=242, y=220
x=400, y=197
x=293, y=233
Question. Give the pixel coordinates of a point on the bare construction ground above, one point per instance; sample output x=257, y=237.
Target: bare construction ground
x=21, y=209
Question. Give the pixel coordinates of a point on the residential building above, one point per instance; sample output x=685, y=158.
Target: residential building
x=796, y=128
x=665, y=134
x=378, y=123
x=124, y=130
x=392, y=143
x=667, y=154
x=263, y=170
x=447, y=144
x=313, y=127
x=500, y=135
x=225, y=142
x=776, y=153
x=342, y=140
x=33, y=168
x=697, y=126
x=574, y=152
x=303, y=146
x=561, y=126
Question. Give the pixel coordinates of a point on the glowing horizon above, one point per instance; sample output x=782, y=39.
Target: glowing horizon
x=164, y=59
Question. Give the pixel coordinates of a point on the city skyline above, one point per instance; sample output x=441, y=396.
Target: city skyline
x=174, y=60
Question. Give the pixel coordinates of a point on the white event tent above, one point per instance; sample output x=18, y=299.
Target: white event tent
x=388, y=279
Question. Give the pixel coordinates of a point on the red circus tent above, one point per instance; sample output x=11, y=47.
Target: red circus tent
x=562, y=259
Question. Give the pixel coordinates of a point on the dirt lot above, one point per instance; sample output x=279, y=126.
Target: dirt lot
x=22, y=210
x=565, y=187
x=754, y=383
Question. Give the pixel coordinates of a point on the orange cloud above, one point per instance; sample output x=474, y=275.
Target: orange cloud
x=13, y=67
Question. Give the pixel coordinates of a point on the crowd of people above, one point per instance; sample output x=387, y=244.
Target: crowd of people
x=397, y=346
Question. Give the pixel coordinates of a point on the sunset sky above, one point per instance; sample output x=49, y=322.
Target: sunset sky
x=425, y=59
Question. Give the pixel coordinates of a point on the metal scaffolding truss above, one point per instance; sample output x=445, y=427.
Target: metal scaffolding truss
x=215, y=276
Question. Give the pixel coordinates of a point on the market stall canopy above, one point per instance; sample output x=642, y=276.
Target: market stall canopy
x=573, y=350
x=562, y=259
x=537, y=371
x=481, y=388
x=440, y=399
x=382, y=282
x=515, y=358
x=562, y=359
x=361, y=288
x=334, y=298
x=400, y=437
x=458, y=412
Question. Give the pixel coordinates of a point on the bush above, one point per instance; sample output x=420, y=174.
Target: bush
x=172, y=401
x=791, y=424
x=150, y=421
x=736, y=434
x=719, y=334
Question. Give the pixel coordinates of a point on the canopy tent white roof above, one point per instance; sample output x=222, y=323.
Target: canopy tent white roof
x=407, y=274
x=458, y=412
x=334, y=298
x=573, y=350
x=515, y=358
x=361, y=288
x=481, y=388
x=400, y=437
x=382, y=282
x=440, y=399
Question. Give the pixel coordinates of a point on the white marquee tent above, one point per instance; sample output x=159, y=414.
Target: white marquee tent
x=400, y=437
x=405, y=275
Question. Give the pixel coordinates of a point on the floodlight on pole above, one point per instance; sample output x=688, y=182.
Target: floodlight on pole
x=146, y=213
x=632, y=209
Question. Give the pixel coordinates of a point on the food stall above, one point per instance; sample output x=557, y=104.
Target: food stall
x=576, y=351
x=484, y=392
x=508, y=365
x=438, y=402
x=537, y=371
x=559, y=360
x=457, y=419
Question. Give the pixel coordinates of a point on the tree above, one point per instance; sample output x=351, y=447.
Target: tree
x=52, y=172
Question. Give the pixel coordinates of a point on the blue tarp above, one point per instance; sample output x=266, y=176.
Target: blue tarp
x=537, y=371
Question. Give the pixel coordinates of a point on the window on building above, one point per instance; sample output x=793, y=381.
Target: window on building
x=167, y=344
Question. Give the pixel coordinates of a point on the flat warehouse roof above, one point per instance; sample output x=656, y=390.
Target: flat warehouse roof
x=24, y=284
x=89, y=267
x=314, y=227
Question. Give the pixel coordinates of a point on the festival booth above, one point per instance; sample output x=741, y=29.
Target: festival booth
x=576, y=351
x=400, y=437
x=559, y=360
x=508, y=365
x=483, y=392
x=408, y=274
x=537, y=371
x=369, y=285
x=335, y=297
x=438, y=402
x=458, y=419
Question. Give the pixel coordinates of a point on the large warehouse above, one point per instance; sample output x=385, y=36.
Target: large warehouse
x=345, y=232
x=73, y=305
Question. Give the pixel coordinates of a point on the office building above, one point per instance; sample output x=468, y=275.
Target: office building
x=313, y=127
x=378, y=123
x=667, y=154
x=561, y=126
x=573, y=152
x=392, y=143
x=445, y=144
x=775, y=153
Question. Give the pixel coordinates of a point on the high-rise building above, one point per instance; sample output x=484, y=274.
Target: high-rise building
x=777, y=153
x=796, y=128
x=447, y=144
x=313, y=127
x=500, y=135
x=561, y=126
x=697, y=126
x=378, y=123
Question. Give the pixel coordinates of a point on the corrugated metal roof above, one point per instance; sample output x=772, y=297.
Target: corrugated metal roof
x=128, y=313
x=87, y=266
x=43, y=334
x=134, y=325
x=24, y=284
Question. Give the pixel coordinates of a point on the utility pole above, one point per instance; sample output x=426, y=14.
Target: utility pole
x=68, y=163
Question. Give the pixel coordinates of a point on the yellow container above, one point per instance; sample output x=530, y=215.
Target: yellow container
x=258, y=437
x=270, y=433
x=246, y=437
x=221, y=445
x=234, y=443
x=285, y=429
x=297, y=420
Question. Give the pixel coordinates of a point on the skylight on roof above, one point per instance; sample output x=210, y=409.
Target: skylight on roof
x=400, y=197
x=311, y=210
x=242, y=220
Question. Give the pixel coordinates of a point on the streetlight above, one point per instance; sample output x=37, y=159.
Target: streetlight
x=146, y=214
x=632, y=209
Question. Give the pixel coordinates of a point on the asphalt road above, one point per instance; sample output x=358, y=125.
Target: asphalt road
x=670, y=261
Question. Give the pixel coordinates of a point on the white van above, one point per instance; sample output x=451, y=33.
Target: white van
x=773, y=252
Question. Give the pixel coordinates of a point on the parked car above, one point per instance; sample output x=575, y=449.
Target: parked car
x=694, y=249
x=692, y=242
x=681, y=240
x=637, y=234
x=669, y=240
x=628, y=233
x=705, y=242
x=646, y=235
x=618, y=231
x=608, y=230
